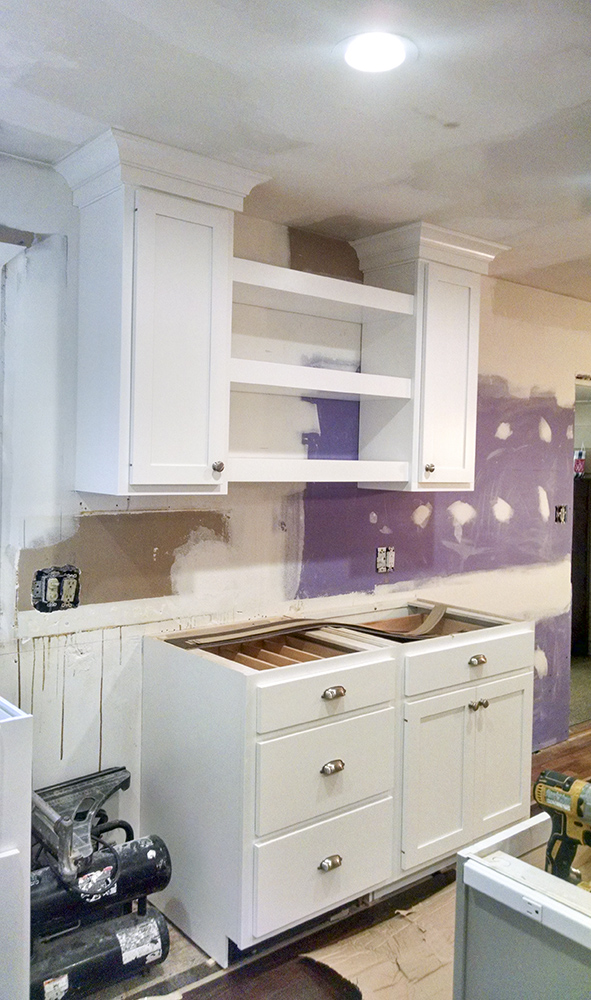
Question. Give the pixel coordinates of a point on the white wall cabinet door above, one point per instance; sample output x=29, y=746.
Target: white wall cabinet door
x=181, y=341
x=502, y=753
x=438, y=776
x=449, y=376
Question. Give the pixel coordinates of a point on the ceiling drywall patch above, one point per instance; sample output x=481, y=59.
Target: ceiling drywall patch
x=545, y=430
x=373, y=517
x=570, y=432
x=543, y=503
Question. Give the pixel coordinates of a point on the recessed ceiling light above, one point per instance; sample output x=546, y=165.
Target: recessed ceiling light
x=375, y=52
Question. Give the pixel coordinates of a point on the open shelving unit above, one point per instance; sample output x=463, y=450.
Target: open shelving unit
x=302, y=337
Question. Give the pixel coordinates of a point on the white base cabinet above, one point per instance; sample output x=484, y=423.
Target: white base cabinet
x=292, y=774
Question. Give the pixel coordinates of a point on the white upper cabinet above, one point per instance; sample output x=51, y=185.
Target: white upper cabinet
x=438, y=431
x=156, y=227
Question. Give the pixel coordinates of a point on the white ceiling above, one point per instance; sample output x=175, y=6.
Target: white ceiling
x=487, y=132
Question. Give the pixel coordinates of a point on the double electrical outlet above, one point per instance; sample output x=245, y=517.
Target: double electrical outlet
x=385, y=556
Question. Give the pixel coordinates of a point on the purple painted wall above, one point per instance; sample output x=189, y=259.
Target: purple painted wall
x=523, y=447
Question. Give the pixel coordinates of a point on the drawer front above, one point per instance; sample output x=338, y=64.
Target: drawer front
x=290, y=886
x=448, y=663
x=293, y=788
x=293, y=702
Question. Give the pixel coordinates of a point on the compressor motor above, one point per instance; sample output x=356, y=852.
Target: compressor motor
x=91, y=923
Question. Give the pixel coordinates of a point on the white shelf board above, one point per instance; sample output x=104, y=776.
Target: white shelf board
x=270, y=377
x=300, y=470
x=314, y=294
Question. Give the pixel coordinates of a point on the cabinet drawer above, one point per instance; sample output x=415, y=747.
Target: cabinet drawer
x=291, y=787
x=447, y=662
x=292, y=702
x=290, y=886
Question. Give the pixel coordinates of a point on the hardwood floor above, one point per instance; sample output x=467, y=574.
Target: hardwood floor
x=571, y=757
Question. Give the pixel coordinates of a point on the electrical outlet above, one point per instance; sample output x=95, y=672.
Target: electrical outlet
x=56, y=588
x=385, y=557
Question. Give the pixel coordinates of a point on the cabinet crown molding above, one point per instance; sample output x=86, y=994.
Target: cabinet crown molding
x=116, y=158
x=423, y=241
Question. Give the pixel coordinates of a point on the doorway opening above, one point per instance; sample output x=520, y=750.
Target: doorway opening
x=580, y=676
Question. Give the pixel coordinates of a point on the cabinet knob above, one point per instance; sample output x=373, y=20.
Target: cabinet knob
x=334, y=692
x=483, y=702
x=218, y=466
x=332, y=767
x=430, y=467
x=478, y=660
x=330, y=863
x=474, y=705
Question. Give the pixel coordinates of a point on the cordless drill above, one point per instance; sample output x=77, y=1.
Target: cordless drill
x=567, y=800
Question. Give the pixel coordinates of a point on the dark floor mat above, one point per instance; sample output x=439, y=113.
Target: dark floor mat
x=298, y=979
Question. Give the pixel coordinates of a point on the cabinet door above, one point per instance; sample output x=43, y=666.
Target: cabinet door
x=449, y=376
x=438, y=775
x=502, y=770
x=181, y=341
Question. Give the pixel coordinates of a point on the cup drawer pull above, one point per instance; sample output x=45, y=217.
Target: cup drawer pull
x=478, y=660
x=332, y=767
x=334, y=692
x=330, y=863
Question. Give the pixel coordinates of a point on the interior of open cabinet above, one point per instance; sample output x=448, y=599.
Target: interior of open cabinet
x=309, y=354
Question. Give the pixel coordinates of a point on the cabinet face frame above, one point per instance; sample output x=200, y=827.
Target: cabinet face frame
x=179, y=400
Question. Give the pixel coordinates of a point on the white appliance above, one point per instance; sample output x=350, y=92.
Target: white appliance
x=520, y=932
x=16, y=742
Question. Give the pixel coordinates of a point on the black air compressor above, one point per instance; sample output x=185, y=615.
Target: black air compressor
x=91, y=924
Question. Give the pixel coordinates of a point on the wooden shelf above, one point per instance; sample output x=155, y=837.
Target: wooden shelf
x=301, y=470
x=313, y=294
x=269, y=377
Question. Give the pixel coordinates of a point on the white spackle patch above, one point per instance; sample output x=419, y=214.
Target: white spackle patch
x=461, y=514
x=385, y=530
x=540, y=662
x=502, y=510
x=545, y=431
x=570, y=432
x=503, y=431
x=421, y=515
x=373, y=517
x=543, y=503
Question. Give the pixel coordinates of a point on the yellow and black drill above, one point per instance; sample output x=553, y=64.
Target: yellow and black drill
x=567, y=801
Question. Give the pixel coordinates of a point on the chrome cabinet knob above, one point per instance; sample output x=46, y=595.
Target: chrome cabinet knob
x=332, y=767
x=430, y=467
x=477, y=661
x=218, y=466
x=334, y=692
x=474, y=705
x=483, y=703
x=330, y=863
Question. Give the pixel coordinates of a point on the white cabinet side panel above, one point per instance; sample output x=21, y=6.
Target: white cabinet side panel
x=104, y=344
x=193, y=750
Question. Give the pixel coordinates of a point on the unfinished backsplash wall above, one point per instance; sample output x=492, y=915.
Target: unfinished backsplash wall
x=263, y=549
